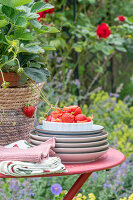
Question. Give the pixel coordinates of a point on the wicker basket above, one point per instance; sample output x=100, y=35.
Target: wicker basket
x=14, y=124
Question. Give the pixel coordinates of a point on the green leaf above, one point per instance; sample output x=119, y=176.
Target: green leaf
x=50, y=29
x=78, y=48
x=48, y=47
x=10, y=13
x=3, y=23
x=25, y=36
x=41, y=6
x=23, y=79
x=43, y=28
x=27, y=12
x=56, y=43
x=14, y=3
x=38, y=75
x=31, y=49
x=120, y=48
x=21, y=22
x=99, y=69
x=35, y=24
x=35, y=65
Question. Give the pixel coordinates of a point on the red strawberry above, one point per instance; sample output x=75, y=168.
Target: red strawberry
x=48, y=118
x=77, y=111
x=80, y=117
x=58, y=120
x=29, y=110
x=82, y=121
x=67, y=118
x=59, y=110
x=57, y=114
x=89, y=119
x=70, y=109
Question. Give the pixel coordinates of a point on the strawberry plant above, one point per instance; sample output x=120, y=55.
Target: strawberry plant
x=21, y=50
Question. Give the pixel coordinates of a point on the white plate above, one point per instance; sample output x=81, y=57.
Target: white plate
x=80, y=150
x=53, y=126
x=80, y=157
x=66, y=139
x=81, y=128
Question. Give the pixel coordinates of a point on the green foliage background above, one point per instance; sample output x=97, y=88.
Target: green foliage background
x=84, y=70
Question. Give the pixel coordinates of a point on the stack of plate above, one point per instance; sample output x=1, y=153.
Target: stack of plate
x=74, y=146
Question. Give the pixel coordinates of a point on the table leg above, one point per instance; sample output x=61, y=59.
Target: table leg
x=76, y=186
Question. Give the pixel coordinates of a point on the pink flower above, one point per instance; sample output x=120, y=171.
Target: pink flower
x=121, y=18
x=103, y=30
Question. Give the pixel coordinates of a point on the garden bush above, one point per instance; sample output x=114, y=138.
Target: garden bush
x=80, y=64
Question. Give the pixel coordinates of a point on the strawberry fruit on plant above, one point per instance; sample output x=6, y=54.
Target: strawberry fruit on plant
x=29, y=110
x=70, y=114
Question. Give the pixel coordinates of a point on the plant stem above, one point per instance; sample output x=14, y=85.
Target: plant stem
x=40, y=93
x=10, y=29
x=7, y=62
x=46, y=100
x=2, y=75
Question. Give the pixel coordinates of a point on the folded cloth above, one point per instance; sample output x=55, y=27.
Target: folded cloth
x=16, y=168
x=32, y=154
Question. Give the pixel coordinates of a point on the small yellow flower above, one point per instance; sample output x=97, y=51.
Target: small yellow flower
x=14, y=43
x=130, y=197
x=84, y=197
x=78, y=198
x=129, y=36
x=123, y=198
x=91, y=196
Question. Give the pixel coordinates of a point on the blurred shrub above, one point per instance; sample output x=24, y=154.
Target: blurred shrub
x=115, y=116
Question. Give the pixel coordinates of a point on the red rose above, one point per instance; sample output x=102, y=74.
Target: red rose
x=121, y=18
x=103, y=30
x=49, y=11
x=42, y=15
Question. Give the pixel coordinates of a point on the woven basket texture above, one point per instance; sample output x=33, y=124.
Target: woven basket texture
x=15, y=98
x=14, y=125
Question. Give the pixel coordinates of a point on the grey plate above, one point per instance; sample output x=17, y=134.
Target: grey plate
x=70, y=139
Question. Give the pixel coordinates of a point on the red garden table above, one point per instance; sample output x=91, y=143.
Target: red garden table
x=110, y=159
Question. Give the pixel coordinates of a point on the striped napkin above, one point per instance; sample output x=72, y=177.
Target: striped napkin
x=22, y=159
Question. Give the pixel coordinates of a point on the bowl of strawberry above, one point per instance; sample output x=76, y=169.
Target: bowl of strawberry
x=67, y=119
